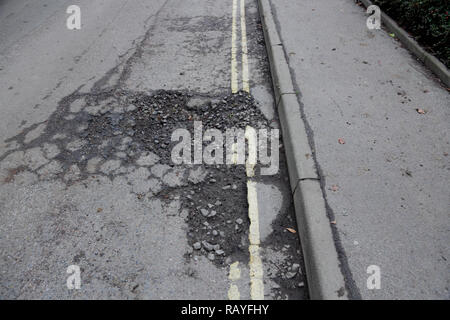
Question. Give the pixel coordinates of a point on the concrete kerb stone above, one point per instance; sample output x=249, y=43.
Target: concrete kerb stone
x=281, y=75
x=325, y=279
x=298, y=151
x=270, y=30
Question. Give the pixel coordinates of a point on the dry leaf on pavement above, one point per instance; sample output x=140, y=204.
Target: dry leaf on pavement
x=421, y=111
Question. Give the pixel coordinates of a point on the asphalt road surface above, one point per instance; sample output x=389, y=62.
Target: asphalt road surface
x=87, y=176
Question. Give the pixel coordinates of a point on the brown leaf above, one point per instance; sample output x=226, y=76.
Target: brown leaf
x=334, y=187
x=421, y=111
x=99, y=210
x=341, y=141
x=333, y=222
x=291, y=230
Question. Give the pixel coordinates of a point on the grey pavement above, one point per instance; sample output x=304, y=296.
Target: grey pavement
x=85, y=173
x=384, y=167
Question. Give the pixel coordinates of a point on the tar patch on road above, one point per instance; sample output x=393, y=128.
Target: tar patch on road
x=119, y=133
x=111, y=130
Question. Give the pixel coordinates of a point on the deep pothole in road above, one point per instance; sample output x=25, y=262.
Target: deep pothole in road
x=121, y=133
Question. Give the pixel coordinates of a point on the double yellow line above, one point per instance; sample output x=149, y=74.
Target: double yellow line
x=255, y=263
x=244, y=48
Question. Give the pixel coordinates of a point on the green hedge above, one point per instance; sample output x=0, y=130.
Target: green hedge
x=427, y=20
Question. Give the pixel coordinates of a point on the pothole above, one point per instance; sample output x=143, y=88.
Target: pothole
x=122, y=133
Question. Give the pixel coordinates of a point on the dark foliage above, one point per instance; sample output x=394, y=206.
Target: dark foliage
x=427, y=20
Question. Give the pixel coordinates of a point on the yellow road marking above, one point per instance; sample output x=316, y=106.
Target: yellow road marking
x=234, y=156
x=251, y=136
x=235, y=271
x=256, y=269
x=255, y=264
x=233, y=292
x=234, y=72
x=245, y=79
x=235, y=274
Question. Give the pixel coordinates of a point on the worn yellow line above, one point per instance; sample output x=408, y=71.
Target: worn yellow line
x=235, y=274
x=251, y=136
x=245, y=76
x=233, y=292
x=234, y=157
x=234, y=72
x=255, y=264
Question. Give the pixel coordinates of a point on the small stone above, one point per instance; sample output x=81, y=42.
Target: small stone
x=208, y=246
x=239, y=221
x=295, y=267
x=290, y=275
x=210, y=205
x=197, y=246
x=211, y=256
x=301, y=284
x=215, y=233
x=212, y=214
x=218, y=203
x=131, y=107
x=220, y=252
x=204, y=212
